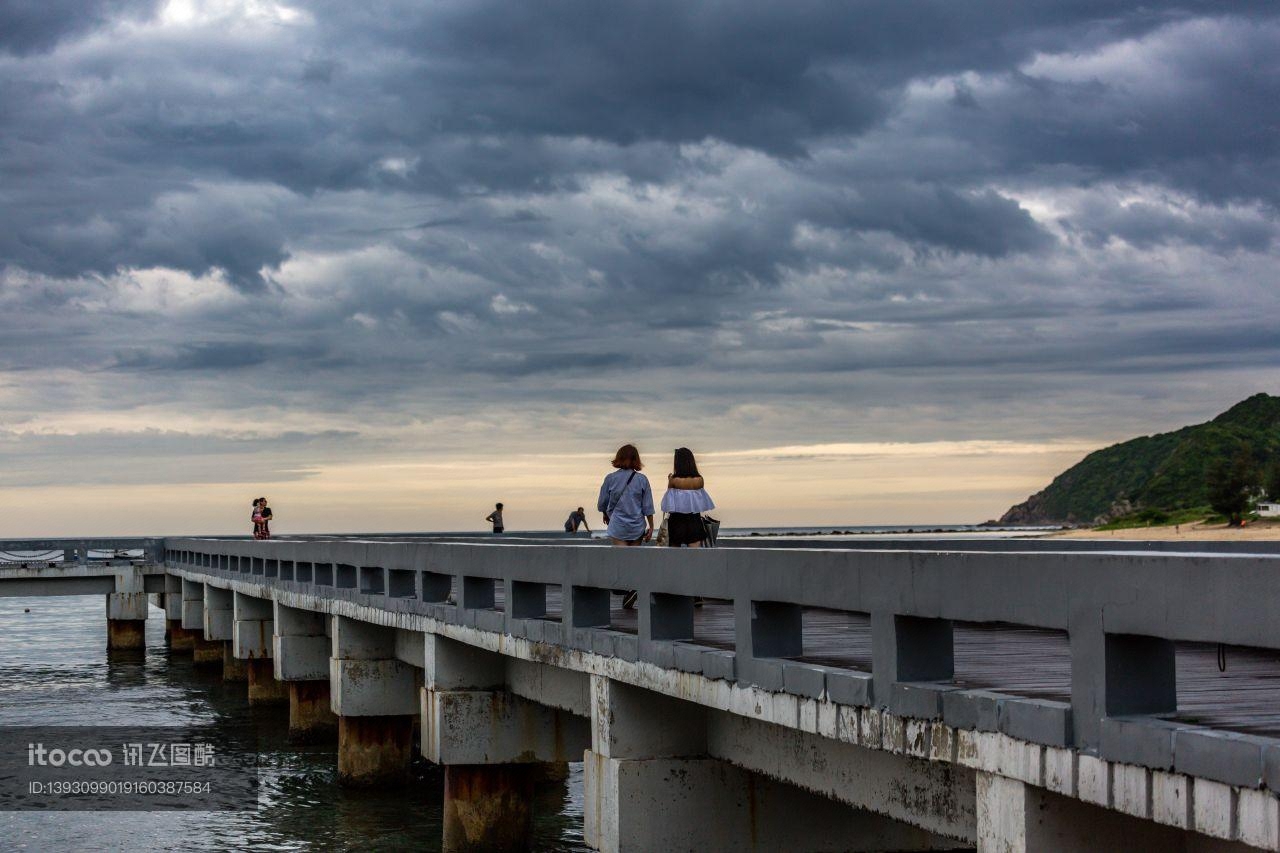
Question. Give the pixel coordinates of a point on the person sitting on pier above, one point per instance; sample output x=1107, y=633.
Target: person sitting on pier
x=685, y=502
x=576, y=518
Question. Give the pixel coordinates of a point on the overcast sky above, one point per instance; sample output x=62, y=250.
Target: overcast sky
x=388, y=262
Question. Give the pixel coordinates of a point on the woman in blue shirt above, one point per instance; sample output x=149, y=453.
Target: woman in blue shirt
x=626, y=500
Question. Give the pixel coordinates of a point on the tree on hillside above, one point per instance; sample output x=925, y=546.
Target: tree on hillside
x=1273, y=480
x=1231, y=484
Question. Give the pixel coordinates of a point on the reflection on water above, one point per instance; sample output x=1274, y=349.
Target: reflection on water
x=54, y=670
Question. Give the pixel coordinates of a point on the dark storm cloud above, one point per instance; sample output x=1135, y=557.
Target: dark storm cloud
x=210, y=356
x=28, y=26
x=413, y=208
x=1145, y=226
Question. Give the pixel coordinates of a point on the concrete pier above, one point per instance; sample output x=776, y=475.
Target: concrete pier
x=127, y=610
x=488, y=808
x=251, y=642
x=311, y=718
x=233, y=669
x=263, y=687
x=300, y=654
x=375, y=695
x=206, y=654
x=192, y=614
x=125, y=634
x=1037, y=697
x=374, y=751
x=252, y=626
x=217, y=613
x=494, y=743
x=180, y=639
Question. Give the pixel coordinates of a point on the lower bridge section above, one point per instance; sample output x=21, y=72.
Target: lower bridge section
x=674, y=760
x=752, y=701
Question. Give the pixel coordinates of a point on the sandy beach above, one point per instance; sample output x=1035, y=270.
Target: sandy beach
x=1199, y=531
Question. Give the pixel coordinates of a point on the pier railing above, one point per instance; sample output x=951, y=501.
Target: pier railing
x=82, y=551
x=1121, y=613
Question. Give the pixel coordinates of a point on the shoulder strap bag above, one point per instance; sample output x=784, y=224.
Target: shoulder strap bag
x=615, y=500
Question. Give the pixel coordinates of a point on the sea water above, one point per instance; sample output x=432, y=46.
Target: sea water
x=55, y=670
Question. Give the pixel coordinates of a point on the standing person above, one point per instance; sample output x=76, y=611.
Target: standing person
x=626, y=501
x=264, y=529
x=256, y=518
x=496, y=518
x=685, y=502
x=576, y=518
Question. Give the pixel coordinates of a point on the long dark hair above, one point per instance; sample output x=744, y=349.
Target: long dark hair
x=685, y=466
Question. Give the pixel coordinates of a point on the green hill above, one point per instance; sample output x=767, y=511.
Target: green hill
x=1162, y=472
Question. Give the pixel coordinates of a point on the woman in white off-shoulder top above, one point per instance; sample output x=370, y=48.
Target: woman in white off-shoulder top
x=685, y=502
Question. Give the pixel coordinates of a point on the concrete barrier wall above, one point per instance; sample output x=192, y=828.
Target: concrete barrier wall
x=1121, y=611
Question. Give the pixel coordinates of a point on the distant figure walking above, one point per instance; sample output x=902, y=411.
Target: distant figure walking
x=576, y=518
x=496, y=518
x=626, y=501
x=685, y=502
x=261, y=519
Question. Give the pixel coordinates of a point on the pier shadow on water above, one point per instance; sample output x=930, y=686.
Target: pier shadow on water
x=55, y=670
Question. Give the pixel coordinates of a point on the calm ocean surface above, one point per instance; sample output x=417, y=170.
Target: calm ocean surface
x=54, y=671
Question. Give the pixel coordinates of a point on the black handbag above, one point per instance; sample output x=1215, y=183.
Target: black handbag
x=712, y=528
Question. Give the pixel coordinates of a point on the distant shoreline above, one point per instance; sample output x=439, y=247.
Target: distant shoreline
x=890, y=530
x=1262, y=530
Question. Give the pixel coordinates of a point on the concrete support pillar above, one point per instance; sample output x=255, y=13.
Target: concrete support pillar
x=495, y=727
x=171, y=601
x=492, y=743
x=300, y=644
x=1014, y=817
x=180, y=639
x=208, y=646
x=488, y=807
x=233, y=669
x=311, y=717
x=253, y=626
x=263, y=687
x=127, y=611
x=374, y=750
x=469, y=717
x=218, y=614
x=251, y=641
x=375, y=696
x=640, y=744
x=300, y=654
x=126, y=634
x=192, y=615
x=205, y=653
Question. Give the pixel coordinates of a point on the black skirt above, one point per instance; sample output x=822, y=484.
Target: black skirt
x=685, y=528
